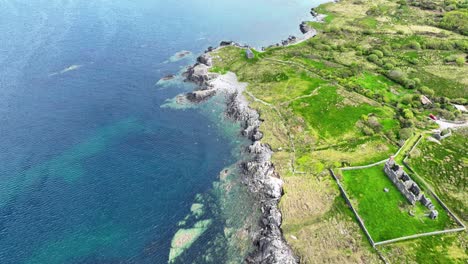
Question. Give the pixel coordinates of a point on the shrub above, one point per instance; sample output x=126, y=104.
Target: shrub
x=375, y=11
x=451, y=58
x=387, y=50
x=461, y=101
x=456, y=21
x=391, y=135
x=413, y=61
x=427, y=91
x=405, y=133
x=414, y=45
x=460, y=61
x=389, y=66
x=367, y=131
x=408, y=114
x=406, y=99
x=374, y=124
x=373, y=58
x=378, y=53
x=396, y=75
x=410, y=84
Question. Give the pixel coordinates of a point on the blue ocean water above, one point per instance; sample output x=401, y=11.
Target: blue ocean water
x=92, y=168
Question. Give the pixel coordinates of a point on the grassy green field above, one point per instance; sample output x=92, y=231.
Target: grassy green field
x=445, y=168
x=332, y=116
x=432, y=249
x=386, y=214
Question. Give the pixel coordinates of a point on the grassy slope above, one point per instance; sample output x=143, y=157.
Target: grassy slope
x=321, y=94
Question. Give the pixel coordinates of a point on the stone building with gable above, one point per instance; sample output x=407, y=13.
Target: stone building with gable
x=407, y=186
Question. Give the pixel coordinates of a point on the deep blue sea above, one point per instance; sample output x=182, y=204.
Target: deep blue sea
x=92, y=168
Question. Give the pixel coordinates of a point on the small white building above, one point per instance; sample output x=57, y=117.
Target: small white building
x=425, y=100
x=462, y=108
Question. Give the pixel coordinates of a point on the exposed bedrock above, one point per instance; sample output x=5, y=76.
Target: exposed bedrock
x=258, y=172
x=305, y=27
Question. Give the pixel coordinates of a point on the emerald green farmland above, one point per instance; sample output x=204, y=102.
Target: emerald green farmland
x=386, y=214
x=332, y=116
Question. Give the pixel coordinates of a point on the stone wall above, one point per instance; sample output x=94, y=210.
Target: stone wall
x=402, y=181
x=407, y=186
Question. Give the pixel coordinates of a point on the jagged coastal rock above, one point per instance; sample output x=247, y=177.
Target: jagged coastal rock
x=258, y=172
x=305, y=27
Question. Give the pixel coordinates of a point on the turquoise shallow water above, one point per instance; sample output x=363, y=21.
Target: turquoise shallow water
x=93, y=170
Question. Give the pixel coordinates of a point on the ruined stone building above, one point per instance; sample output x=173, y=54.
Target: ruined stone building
x=407, y=186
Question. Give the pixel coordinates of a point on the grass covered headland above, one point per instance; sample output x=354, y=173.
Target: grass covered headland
x=351, y=96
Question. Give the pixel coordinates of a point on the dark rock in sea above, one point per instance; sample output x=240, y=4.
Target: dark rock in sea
x=200, y=95
x=313, y=12
x=182, y=54
x=205, y=59
x=226, y=43
x=198, y=74
x=168, y=77
x=304, y=27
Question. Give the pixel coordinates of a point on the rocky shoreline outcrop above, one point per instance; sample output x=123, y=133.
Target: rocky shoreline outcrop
x=258, y=172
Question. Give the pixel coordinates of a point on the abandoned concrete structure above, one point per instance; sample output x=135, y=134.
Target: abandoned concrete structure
x=408, y=187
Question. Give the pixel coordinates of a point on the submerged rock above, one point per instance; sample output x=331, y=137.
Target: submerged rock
x=184, y=238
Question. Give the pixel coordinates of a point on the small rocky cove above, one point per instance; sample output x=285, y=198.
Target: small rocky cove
x=257, y=172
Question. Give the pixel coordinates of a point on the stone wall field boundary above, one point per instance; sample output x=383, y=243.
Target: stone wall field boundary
x=345, y=196
x=365, y=166
x=376, y=163
x=419, y=235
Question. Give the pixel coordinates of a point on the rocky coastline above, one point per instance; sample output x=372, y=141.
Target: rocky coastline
x=258, y=172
